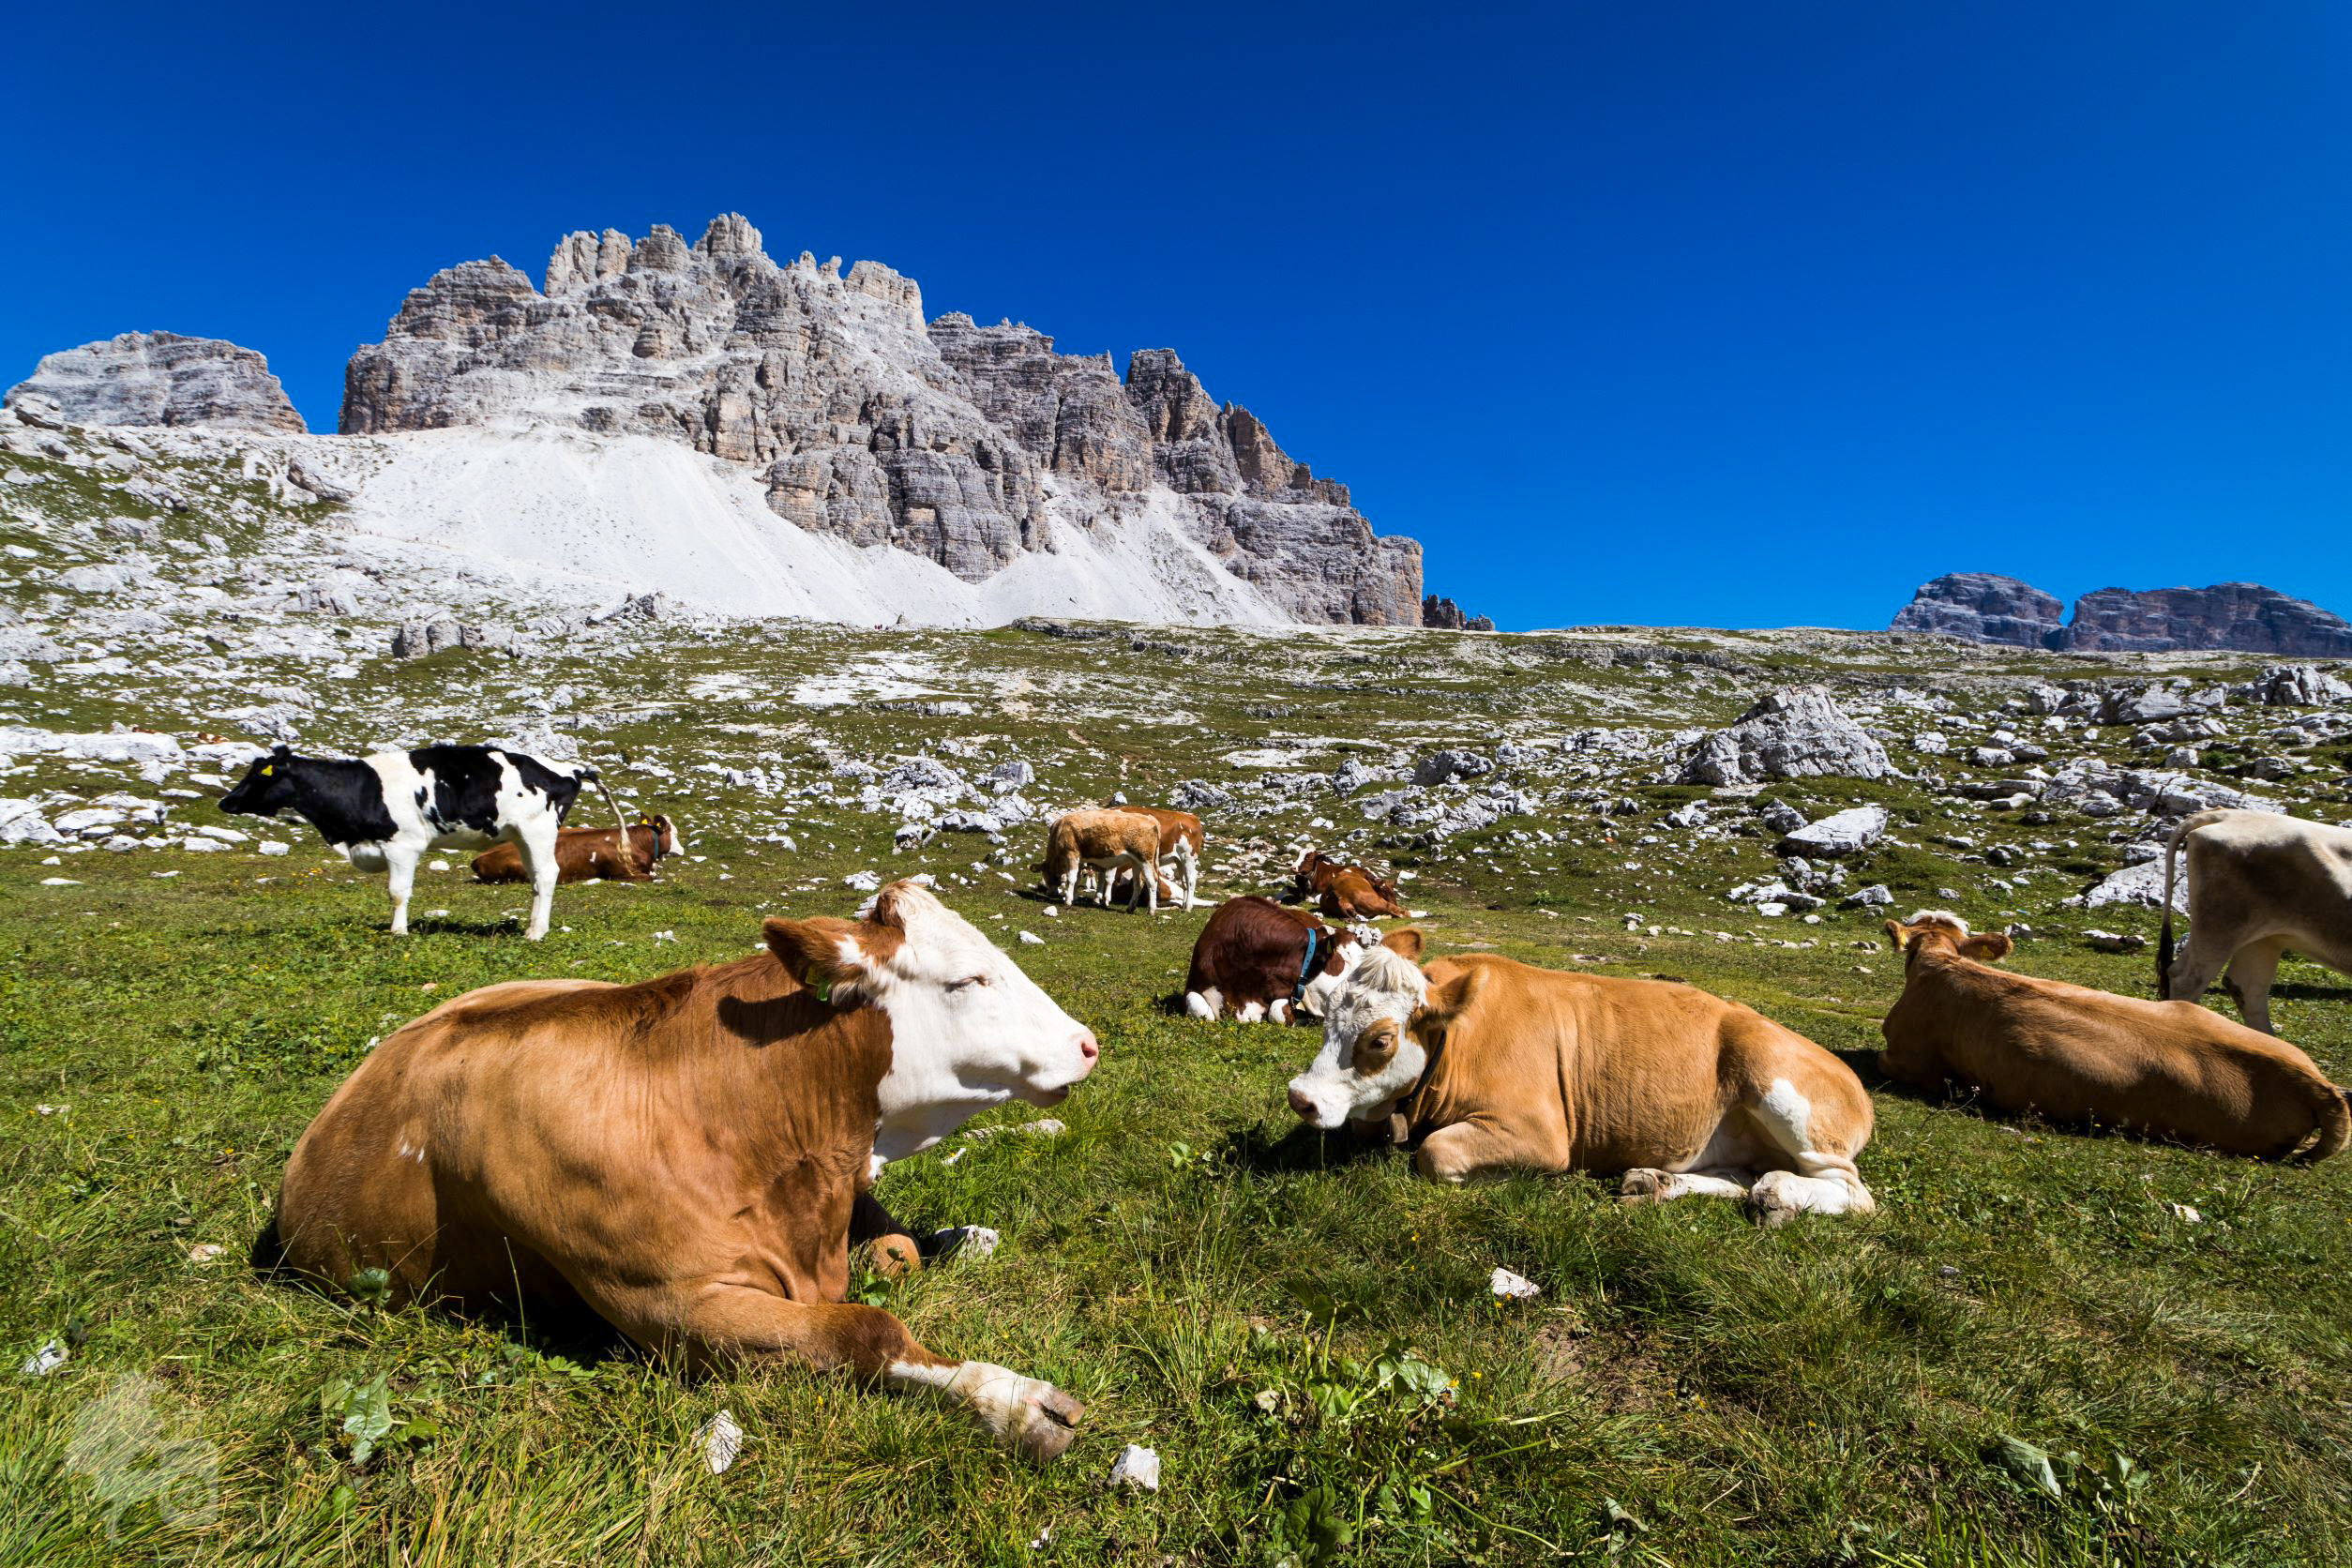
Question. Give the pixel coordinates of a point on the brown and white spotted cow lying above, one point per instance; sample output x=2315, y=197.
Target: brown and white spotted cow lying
x=685, y=1155
x=2172, y=1069
x=589, y=854
x=1497, y=1065
x=1344, y=892
x=1256, y=959
x=1107, y=843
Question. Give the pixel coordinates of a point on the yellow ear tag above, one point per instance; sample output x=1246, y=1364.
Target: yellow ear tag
x=268, y=768
x=822, y=988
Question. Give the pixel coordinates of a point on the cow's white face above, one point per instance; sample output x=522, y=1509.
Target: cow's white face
x=1369, y=1059
x=967, y=1030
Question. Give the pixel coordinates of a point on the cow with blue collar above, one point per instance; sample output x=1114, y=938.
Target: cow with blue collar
x=1258, y=960
x=385, y=812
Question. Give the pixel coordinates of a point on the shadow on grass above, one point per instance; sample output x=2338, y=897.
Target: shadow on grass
x=1298, y=1148
x=443, y=925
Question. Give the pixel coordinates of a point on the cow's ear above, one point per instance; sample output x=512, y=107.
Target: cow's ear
x=1986, y=947
x=822, y=954
x=1434, y=1019
x=1897, y=935
x=1407, y=941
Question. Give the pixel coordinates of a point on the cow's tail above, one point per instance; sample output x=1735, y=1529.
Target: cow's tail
x=620, y=821
x=2172, y=856
x=2331, y=1110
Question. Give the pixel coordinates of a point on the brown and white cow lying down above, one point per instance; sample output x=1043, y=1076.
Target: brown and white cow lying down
x=1107, y=842
x=1502, y=1065
x=1256, y=959
x=1344, y=892
x=589, y=854
x=2172, y=1069
x=2259, y=883
x=683, y=1155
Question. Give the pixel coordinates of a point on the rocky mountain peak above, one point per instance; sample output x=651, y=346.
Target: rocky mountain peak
x=971, y=447
x=161, y=378
x=1984, y=607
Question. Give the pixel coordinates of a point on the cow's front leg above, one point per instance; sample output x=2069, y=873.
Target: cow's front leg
x=1651, y=1184
x=1467, y=1149
x=400, y=880
x=890, y=1249
x=727, y=1322
x=538, y=842
x=2249, y=978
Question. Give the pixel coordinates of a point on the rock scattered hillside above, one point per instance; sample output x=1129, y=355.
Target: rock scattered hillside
x=973, y=447
x=2240, y=617
x=161, y=378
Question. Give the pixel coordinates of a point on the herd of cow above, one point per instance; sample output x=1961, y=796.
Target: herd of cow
x=691, y=1157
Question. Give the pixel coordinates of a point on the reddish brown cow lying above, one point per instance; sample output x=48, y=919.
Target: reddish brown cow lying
x=588, y=854
x=1258, y=960
x=2169, y=1068
x=685, y=1155
x=1344, y=892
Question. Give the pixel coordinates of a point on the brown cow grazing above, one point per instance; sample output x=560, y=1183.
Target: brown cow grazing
x=1502, y=1065
x=1258, y=960
x=1342, y=890
x=1107, y=842
x=589, y=854
x=2172, y=1069
x=687, y=1156
x=1182, y=842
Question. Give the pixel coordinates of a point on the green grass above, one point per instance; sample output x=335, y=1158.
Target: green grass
x=1261, y=1304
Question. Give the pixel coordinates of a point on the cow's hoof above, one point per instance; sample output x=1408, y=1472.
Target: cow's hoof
x=1767, y=1207
x=893, y=1256
x=1044, y=1423
x=1642, y=1185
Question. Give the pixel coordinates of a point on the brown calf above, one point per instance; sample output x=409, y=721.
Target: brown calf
x=2172, y=1069
x=1344, y=892
x=588, y=854
x=1107, y=842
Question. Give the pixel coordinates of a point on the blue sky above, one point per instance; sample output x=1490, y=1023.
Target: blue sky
x=1659, y=312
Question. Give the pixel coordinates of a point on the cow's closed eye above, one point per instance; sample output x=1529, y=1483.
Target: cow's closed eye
x=967, y=980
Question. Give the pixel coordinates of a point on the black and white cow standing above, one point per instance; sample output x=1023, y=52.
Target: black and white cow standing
x=386, y=811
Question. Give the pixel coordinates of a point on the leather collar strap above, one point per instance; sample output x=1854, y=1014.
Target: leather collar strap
x=1306, y=965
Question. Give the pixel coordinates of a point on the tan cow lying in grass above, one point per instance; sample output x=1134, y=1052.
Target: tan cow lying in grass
x=1344, y=892
x=1503, y=1065
x=2172, y=1069
x=685, y=1155
x=589, y=854
x=1107, y=843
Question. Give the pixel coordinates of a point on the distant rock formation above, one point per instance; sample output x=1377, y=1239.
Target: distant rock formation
x=1445, y=616
x=2240, y=616
x=1985, y=608
x=969, y=445
x=2236, y=616
x=161, y=378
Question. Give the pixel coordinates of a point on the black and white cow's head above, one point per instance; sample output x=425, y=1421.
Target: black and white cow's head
x=267, y=787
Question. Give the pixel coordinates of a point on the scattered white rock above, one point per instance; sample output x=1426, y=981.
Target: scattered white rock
x=719, y=1439
x=2115, y=942
x=1514, y=1288
x=1136, y=1467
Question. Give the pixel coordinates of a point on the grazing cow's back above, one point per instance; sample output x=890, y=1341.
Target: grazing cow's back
x=2172, y=1069
x=685, y=1156
x=2259, y=884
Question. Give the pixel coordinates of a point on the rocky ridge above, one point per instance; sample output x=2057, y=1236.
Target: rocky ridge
x=972, y=446
x=159, y=378
x=2242, y=616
